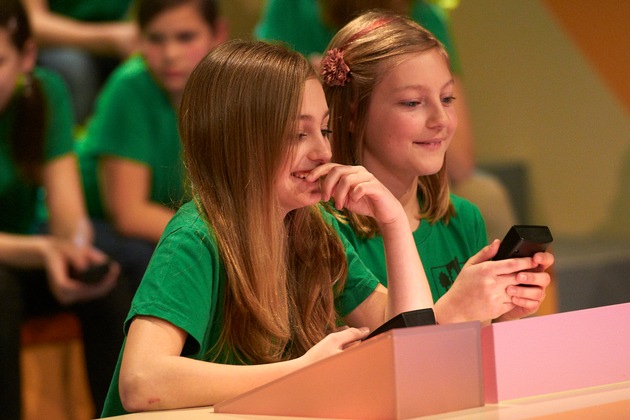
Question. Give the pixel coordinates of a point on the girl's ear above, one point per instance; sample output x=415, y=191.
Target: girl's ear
x=29, y=56
x=353, y=117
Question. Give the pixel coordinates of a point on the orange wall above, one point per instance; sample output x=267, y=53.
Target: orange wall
x=600, y=29
x=537, y=97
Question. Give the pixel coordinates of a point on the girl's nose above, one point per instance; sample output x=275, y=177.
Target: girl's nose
x=438, y=117
x=171, y=50
x=321, y=150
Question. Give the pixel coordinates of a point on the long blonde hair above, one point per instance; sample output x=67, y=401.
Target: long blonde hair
x=238, y=120
x=370, y=45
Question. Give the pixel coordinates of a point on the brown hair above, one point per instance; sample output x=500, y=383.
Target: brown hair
x=369, y=45
x=337, y=13
x=238, y=119
x=147, y=10
x=27, y=139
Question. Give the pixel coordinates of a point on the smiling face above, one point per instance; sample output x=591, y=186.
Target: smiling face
x=311, y=149
x=174, y=42
x=410, y=120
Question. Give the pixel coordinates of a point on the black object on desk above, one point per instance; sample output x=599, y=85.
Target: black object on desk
x=406, y=319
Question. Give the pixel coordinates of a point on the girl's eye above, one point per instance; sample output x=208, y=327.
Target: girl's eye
x=185, y=37
x=411, y=104
x=326, y=133
x=302, y=136
x=448, y=100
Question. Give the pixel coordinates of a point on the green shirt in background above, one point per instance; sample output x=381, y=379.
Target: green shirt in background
x=299, y=23
x=185, y=281
x=443, y=248
x=135, y=120
x=19, y=196
x=91, y=10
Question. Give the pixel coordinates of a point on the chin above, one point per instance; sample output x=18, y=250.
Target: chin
x=308, y=203
x=428, y=171
x=311, y=201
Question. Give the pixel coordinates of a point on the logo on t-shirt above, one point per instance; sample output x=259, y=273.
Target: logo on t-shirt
x=442, y=277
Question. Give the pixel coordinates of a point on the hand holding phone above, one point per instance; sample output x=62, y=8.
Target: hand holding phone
x=91, y=275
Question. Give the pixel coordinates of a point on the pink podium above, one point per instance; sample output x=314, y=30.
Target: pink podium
x=400, y=374
x=556, y=353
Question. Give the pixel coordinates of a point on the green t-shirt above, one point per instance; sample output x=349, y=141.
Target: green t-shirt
x=18, y=196
x=184, y=285
x=299, y=23
x=91, y=10
x=443, y=248
x=134, y=119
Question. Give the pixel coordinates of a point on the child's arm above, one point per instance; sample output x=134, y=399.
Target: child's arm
x=127, y=194
x=154, y=376
x=354, y=188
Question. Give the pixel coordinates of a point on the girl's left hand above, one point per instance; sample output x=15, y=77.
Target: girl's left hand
x=356, y=189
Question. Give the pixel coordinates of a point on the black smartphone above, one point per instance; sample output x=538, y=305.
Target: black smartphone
x=524, y=241
x=93, y=274
x=406, y=319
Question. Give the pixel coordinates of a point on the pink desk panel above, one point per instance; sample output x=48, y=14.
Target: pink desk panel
x=558, y=352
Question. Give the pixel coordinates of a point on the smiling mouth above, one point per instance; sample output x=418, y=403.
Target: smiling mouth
x=300, y=174
x=430, y=143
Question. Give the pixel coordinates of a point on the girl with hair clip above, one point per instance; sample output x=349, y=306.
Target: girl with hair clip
x=250, y=280
x=390, y=90
x=36, y=151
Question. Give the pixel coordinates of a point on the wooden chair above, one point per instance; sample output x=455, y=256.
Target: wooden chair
x=54, y=379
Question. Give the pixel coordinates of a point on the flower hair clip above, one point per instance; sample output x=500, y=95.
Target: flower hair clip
x=334, y=70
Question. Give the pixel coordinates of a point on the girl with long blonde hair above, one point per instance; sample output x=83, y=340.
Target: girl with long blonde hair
x=250, y=280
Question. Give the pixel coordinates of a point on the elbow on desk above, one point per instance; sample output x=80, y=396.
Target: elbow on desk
x=137, y=393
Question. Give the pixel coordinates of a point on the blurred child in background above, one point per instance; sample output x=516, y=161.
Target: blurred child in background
x=36, y=151
x=131, y=154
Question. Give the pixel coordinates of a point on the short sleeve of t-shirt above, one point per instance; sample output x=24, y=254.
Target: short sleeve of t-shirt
x=184, y=281
x=135, y=120
x=59, y=139
x=121, y=125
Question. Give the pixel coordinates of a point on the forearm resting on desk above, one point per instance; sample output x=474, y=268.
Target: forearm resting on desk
x=155, y=377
